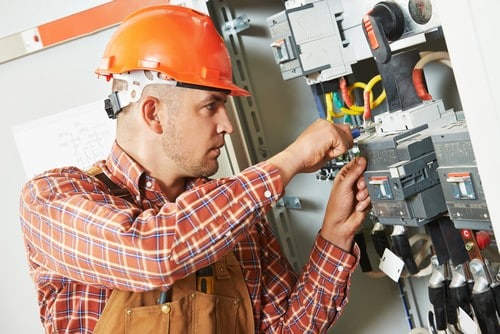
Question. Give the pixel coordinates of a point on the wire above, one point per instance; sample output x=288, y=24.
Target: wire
x=330, y=114
x=338, y=105
x=421, y=257
x=424, y=252
x=368, y=102
x=418, y=72
x=317, y=101
x=370, y=85
x=344, y=91
x=367, y=97
x=354, y=109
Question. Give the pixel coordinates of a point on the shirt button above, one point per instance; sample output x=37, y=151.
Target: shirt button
x=340, y=268
x=339, y=308
x=149, y=184
x=267, y=194
x=138, y=198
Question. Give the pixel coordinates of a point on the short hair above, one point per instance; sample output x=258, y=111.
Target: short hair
x=119, y=85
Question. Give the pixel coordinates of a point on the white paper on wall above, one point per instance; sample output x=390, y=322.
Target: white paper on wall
x=76, y=137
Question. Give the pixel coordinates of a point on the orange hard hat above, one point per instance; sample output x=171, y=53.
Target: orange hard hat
x=178, y=42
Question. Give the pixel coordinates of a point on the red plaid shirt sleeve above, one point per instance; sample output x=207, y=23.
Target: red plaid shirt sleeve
x=81, y=242
x=313, y=301
x=75, y=229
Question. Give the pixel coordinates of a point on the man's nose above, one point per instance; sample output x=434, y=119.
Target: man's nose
x=224, y=124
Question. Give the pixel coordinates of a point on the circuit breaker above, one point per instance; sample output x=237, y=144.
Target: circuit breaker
x=308, y=42
x=459, y=177
x=402, y=177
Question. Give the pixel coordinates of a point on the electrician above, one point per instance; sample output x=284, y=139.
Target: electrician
x=120, y=248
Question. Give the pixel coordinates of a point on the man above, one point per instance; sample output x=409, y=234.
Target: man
x=177, y=252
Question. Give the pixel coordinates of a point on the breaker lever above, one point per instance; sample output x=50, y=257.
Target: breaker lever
x=384, y=23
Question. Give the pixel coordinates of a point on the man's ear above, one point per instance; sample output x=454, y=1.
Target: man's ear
x=150, y=113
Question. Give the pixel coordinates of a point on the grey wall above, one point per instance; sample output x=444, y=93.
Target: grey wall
x=31, y=87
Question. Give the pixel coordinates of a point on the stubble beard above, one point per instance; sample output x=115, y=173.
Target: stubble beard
x=187, y=161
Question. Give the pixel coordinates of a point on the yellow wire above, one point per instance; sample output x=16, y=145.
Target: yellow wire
x=350, y=111
x=329, y=106
x=359, y=110
x=355, y=108
x=381, y=97
x=330, y=111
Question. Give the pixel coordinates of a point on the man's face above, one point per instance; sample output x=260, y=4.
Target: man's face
x=194, y=132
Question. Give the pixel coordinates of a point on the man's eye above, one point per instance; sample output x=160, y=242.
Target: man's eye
x=211, y=106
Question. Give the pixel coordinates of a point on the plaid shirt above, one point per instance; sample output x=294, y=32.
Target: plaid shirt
x=82, y=242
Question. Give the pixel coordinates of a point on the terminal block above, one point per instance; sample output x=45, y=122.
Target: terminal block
x=459, y=177
x=402, y=177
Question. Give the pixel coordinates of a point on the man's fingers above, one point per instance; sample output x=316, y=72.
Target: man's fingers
x=361, y=183
x=363, y=205
x=362, y=195
x=352, y=171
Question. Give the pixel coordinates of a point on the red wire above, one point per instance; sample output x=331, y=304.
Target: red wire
x=345, y=92
x=367, y=114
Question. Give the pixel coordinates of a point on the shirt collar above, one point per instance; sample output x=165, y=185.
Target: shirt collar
x=125, y=169
x=131, y=174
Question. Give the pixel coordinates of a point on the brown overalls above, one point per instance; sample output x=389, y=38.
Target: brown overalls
x=227, y=310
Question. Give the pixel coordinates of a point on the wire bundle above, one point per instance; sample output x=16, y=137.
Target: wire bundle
x=347, y=106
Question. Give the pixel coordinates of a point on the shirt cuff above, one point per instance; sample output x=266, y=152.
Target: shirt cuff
x=332, y=263
x=272, y=188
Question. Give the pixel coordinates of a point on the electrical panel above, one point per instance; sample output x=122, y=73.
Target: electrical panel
x=421, y=174
x=405, y=186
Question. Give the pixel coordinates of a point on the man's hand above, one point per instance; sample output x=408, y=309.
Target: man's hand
x=349, y=201
x=321, y=142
